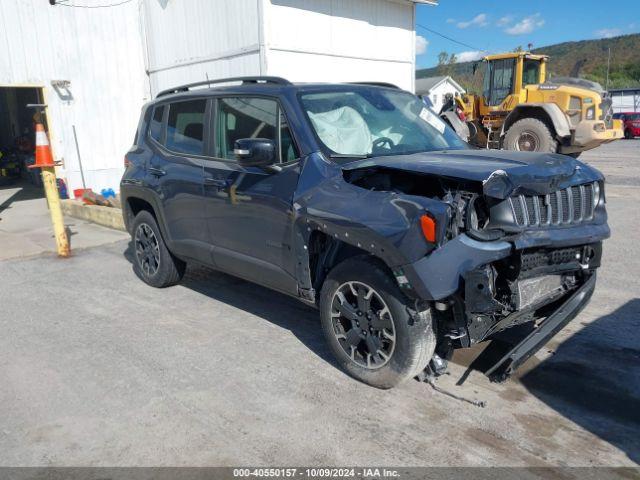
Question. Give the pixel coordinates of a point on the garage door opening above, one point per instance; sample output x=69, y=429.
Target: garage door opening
x=17, y=145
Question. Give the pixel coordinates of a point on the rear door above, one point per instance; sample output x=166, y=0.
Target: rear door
x=176, y=172
x=249, y=210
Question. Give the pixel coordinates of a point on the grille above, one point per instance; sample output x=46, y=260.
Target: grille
x=569, y=206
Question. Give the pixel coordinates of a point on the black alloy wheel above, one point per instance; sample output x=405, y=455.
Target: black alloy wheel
x=147, y=249
x=363, y=325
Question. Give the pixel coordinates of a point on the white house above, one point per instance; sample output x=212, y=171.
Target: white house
x=95, y=67
x=436, y=88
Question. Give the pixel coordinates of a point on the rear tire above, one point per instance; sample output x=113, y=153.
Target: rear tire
x=530, y=135
x=403, y=340
x=628, y=135
x=153, y=262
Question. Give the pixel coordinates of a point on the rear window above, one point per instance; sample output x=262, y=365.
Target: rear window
x=185, y=127
x=155, y=128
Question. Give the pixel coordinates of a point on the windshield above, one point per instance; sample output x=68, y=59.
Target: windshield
x=366, y=122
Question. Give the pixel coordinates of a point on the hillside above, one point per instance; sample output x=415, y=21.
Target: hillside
x=625, y=62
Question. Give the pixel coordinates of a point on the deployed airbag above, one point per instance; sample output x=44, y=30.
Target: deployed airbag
x=343, y=130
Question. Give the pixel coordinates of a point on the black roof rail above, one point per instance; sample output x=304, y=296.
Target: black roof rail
x=256, y=79
x=377, y=84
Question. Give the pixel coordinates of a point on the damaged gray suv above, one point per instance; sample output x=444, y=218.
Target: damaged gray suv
x=359, y=200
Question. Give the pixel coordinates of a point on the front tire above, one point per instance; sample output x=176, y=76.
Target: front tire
x=370, y=324
x=530, y=135
x=153, y=262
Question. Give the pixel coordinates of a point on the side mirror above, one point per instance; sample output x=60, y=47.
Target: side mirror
x=255, y=152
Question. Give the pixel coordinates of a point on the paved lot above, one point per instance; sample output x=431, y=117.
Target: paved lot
x=25, y=224
x=98, y=369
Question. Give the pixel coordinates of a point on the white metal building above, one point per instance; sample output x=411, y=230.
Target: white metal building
x=626, y=100
x=95, y=67
x=436, y=88
x=98, y=52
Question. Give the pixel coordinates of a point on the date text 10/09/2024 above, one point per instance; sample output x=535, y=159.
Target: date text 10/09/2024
x=367, y=473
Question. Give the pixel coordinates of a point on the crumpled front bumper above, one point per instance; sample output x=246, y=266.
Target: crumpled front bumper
x=439, y=275
x=534, y=341
x=564, y=289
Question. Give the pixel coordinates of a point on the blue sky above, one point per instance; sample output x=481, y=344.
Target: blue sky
x=502, y=25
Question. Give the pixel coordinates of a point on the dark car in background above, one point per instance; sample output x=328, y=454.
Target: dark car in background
x=631, y=122
x=359, y=200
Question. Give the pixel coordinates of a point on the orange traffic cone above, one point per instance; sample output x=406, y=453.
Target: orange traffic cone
x=44, y=158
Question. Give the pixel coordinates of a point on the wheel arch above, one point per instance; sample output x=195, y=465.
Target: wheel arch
x=324, y=252
x=136, y=199
x=549, y=113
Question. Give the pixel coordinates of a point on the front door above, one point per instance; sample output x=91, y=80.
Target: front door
x=499, y=85
x=249, y=210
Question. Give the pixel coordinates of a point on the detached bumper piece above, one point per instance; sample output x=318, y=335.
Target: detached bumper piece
x=528, y=346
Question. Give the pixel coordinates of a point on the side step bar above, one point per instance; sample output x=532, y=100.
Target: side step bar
x=533, y=342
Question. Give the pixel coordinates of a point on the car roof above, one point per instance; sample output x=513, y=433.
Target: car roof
x=269, y=89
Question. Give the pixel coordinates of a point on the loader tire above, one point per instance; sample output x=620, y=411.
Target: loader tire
x=530, y=135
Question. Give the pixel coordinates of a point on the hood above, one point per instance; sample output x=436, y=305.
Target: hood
x=502, y=173
x=576, y=82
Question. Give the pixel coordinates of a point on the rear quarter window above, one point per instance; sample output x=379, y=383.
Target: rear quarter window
x=155, y=126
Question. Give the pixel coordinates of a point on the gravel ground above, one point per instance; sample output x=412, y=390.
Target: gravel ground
x=98, y=369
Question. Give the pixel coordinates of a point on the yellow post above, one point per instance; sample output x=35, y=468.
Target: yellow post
x=44, y=161
x=51, y=191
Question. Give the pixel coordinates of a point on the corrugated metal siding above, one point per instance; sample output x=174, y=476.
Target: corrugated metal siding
x=106, y=52
x=301, y=67
x=341, y=40
x=626, y=100
x=99, y=52
x=190, y=39
x=302, y=40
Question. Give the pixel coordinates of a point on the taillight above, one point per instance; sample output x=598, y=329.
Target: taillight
x=461, y=115
x=428, y=226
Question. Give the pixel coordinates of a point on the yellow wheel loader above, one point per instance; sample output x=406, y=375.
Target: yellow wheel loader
x=520, y=110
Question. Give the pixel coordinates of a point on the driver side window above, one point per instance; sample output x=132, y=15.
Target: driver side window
x=251, y=117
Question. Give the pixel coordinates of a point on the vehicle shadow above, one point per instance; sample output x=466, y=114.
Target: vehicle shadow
x=281, y=310
x=594, y=378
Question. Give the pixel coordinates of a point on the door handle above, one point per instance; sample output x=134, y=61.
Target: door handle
x=216, y=182
x=158, y=172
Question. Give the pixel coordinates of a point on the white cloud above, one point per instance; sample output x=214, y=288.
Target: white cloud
x=608, y=32
x=504, y=21
x=451, y=20
x=526, y=25
x=421, y=45
x=470, y=56
x=478, y=21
